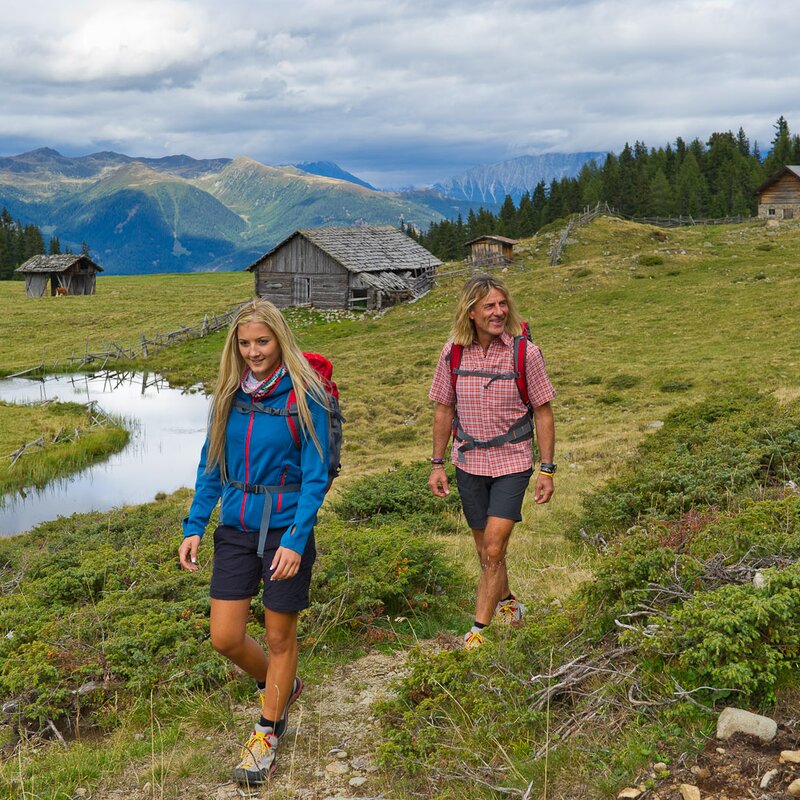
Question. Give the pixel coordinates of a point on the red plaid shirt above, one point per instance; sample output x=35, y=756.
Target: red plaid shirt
x=486, y=410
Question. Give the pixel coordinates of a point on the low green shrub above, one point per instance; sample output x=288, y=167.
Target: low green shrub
x=650, y=260
x=401, y=495
x=675, y=386
x=710, y=454
x=623, y=381
x=738, y=641
x=363, y=573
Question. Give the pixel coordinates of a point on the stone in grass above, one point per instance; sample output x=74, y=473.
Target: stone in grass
x=792, y=756
x=794, y=788
x=337, y=768
x=737, y=720
x=630, y=793
x=689, y=792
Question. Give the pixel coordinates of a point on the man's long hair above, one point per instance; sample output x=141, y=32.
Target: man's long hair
x=475, y=289
x=232, y=366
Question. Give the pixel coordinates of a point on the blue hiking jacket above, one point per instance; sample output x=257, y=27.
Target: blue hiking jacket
x=259, y=449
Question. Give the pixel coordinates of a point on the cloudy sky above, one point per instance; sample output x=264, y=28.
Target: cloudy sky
x=398, y=92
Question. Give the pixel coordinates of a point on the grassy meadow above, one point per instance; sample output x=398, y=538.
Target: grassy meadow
x=51, y=329
x=635, y=322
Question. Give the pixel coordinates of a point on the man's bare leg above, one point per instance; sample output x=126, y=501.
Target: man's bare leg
x=491, y=544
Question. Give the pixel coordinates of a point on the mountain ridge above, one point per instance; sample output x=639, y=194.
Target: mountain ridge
x=178, y=214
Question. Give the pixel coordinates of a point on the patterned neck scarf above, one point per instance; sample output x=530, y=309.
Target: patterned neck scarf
x=257, y=389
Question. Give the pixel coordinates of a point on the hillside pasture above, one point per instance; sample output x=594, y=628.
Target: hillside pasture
x=51, y=329
x=635, y=322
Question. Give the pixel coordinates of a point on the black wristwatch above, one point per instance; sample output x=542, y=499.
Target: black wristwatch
x=548, y=469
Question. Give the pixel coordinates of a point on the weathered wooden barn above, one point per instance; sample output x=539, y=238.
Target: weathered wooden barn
x=779, y=197
x=67, y=274
x=365, y=267
x=487, y=251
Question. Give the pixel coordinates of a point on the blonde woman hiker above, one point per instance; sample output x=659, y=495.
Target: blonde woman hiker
x=491, y=391
x=272, y=481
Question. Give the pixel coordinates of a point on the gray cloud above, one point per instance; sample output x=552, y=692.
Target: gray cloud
x=397, y=92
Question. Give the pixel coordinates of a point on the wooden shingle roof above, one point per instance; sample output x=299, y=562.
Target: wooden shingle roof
x=492, y=238
x=44, y=263
x=793, y=169
x=365, y=249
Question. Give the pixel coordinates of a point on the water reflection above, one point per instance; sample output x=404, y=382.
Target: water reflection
x=167, y=429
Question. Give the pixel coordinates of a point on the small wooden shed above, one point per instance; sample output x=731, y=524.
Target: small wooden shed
x=366, y=267
x=490, y=251
x=70, y=273
x=779, y=197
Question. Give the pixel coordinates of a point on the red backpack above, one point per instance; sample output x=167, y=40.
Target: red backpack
x=324, y=369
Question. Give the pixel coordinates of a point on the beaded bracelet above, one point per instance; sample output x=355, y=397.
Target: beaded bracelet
x=437, y=461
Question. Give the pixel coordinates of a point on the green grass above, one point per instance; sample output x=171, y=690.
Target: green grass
x=21, y=424
x=54, y=328
x=626, y=340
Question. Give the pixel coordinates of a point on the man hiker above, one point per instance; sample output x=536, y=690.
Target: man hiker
x=491, y=382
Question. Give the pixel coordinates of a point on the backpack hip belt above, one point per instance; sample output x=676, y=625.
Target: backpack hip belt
x=260, y=488
x=520, y=431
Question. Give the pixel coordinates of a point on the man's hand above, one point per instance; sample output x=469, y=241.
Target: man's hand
x=437, y=483
x=187, y=552
x=544, y=488
x=285, y=565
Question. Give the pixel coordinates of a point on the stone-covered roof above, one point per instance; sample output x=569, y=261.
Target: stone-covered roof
x=365, y=248
x=43, y=263
x=794, y=169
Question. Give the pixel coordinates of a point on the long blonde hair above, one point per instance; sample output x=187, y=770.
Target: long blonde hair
x=231, y=368
x=475, y=289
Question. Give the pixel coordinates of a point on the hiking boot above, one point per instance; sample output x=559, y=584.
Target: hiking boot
x=297, y=688
x=473, y=640
x=258, y=763
x=510, y=612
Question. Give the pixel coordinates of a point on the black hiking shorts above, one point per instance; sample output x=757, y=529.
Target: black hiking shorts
x=483, y=496
x=239, y=570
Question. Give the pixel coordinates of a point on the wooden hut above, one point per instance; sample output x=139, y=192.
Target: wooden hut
x=779, y=197
x=69, y=274
x=490, y=251
x=365, y=267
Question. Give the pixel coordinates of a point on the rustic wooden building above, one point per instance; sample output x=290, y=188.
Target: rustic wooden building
x=365, y=267
x=779, y=197
x=68, y=274
x=490, y=251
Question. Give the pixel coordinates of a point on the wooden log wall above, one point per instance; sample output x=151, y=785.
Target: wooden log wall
x=329, y=281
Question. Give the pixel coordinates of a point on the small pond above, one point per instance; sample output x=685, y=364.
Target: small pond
x=167, y=428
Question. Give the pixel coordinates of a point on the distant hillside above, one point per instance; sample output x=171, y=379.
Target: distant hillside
x=490, y=183
x=179, y=214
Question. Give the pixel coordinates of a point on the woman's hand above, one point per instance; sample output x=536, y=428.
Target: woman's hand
x=285, y=565
x=187, y=552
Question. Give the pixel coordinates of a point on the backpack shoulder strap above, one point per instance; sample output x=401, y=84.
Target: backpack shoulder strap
x=456, y=351
x=520, y=350
x=291, y=413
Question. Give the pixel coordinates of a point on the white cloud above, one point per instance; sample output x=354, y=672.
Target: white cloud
x=392, y=88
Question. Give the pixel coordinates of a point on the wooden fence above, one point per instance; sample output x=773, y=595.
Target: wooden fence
x=112, y=351
x=603, y=209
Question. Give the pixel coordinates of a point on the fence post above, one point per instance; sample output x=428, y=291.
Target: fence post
x=144, y=346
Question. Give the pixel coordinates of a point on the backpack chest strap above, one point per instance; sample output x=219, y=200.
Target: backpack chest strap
x=493, y=376
x=246, y=408
x=268, y=491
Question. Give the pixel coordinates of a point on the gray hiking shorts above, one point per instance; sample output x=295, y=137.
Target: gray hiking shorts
x=483, y=496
